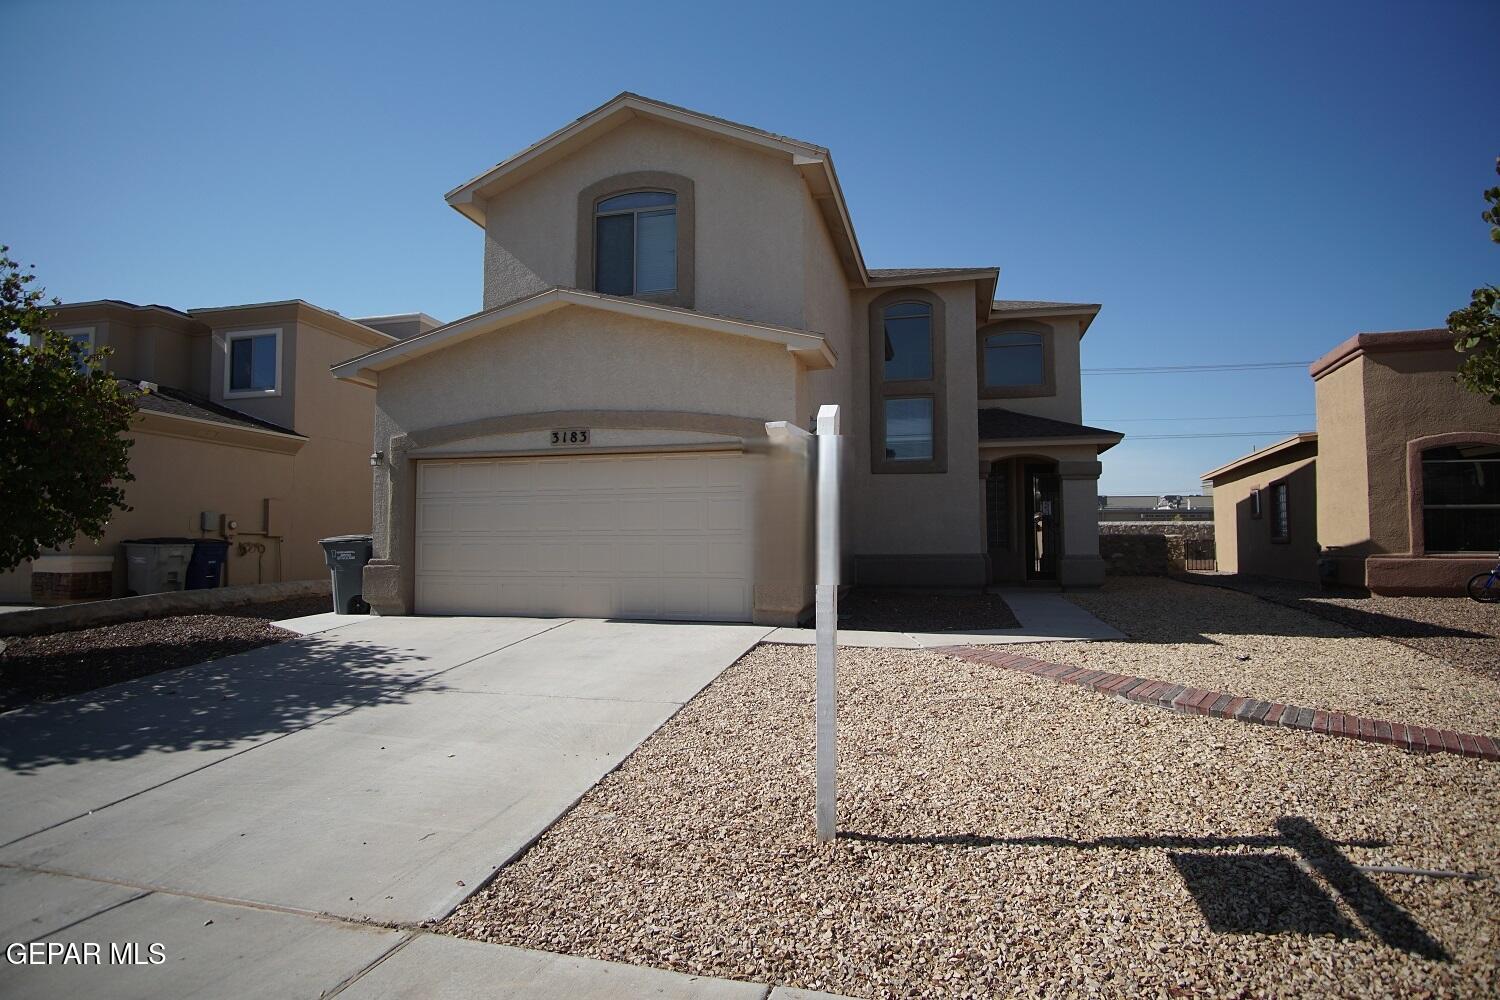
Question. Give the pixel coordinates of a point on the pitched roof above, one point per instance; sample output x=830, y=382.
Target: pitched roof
x=1269, y=451
x=1037, y=305
x=997, y=424
x=180, y=403
x=887, y=273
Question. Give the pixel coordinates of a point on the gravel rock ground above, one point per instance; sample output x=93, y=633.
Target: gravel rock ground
x=1228, y=641
x=1456, y=629
x=922, y=611
x=1005, y=836
x=48, y=667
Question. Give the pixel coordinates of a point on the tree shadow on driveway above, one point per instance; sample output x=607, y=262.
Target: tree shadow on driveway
x=225, y=704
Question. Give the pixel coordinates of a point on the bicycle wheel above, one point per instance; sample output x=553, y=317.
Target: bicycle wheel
x=1481, y=590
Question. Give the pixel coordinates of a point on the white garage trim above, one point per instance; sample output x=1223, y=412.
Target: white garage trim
x=651, y=536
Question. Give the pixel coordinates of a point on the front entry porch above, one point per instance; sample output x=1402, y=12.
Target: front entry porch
x=1041, y=520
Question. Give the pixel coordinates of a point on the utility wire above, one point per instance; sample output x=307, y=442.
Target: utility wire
x=1227, y=434
x=1173, y=369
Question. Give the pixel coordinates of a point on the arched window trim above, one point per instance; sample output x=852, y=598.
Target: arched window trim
x=1416, y=499
x=1048, y=386
x=935, y=388
x=629, y=183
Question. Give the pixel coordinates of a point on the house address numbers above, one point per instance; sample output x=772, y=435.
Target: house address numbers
x=566, y=436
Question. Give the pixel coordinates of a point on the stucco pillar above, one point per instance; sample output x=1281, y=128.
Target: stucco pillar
x=1080, y=565
x=389, y=576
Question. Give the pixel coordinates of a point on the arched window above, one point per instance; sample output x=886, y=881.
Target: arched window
x=1014, y=359
x=635, y=243
x=1461, y=498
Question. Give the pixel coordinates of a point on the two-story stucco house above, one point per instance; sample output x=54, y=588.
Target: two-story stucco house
x=668, y=299
x=240, y=434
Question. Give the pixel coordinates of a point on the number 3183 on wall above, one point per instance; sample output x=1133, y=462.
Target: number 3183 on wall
x=570, y=436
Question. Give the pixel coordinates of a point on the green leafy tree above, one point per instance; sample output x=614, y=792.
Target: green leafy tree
x=63, y=453
x=1476, y=328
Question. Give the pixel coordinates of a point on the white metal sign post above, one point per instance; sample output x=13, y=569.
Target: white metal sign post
x=826, y=607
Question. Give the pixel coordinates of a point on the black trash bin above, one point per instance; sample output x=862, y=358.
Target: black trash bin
x=346, y=556
x=206, y=568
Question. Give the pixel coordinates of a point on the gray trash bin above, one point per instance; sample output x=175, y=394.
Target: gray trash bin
x=346, y=556
x=156, y=565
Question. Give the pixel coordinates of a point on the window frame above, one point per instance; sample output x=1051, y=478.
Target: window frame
x=1048, y=385
x=1422, y=506
x=1273, y=522
x=229, y=338
x=934, y=388
x=635, y=236
x=93, y=344
x=600, y=191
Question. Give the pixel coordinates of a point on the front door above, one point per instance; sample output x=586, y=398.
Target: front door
x=1042, y=528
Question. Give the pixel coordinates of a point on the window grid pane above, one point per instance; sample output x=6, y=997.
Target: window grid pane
x=1013, y=360
x=656, y=251
x=252, y=364
x=908, y=429
x=614, y=254
x=1461, y=499
x=637, y=199
x=908, y=348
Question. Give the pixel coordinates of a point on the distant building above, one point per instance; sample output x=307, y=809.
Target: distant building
x=1156, y=507
x=1398, y=490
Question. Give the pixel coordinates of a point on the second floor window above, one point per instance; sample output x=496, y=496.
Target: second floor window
x=254, y=363
x=635, y=243
x=82, y=343
x=1013, y=360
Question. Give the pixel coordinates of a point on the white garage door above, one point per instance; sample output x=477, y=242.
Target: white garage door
x=622, y=536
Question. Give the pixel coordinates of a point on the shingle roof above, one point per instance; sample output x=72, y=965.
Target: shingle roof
x=178, y=403
x=920, y=272
x=999, y=425
x=1027, y=305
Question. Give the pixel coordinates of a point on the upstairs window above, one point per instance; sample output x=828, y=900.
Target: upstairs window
x=635, y=243
x=82, y=342
x=253, y=363
x=908, y=342
x=1013, y=360
x=1461, y=498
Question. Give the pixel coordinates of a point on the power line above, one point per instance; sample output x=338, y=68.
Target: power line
x=1173, y=369
x=1242, y=416
x=1227, y=434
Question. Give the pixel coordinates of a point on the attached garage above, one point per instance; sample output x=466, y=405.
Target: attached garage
x=658, y=536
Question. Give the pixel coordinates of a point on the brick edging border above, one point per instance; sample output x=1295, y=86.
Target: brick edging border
x=1219, y=705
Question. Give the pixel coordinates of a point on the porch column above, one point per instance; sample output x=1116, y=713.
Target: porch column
x=1080, y=564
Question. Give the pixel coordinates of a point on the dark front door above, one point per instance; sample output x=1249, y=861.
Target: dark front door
x=1043, y=526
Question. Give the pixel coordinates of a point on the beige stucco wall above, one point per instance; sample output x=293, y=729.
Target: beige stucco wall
x=1244, y=543
x=1067, y=402
x=578, y=359
x=1343, y=461
x=921, y=513
x=749, y=231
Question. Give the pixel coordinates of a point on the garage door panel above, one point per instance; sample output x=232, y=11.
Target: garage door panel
x=641, y=536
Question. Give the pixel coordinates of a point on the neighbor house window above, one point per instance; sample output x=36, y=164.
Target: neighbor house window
x=1281, y=516
x=252, y=365
x=1013, y=359
x=82, y=343
x=906, y=343
x=1461, y=498
x=635, y=243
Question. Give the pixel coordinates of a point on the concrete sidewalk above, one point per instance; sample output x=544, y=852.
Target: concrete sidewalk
x=277, y=819
x=1044, y=617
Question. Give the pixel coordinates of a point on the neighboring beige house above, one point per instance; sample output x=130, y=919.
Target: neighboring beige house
x=1399, y=489
x=622, y=431
x=240, y=434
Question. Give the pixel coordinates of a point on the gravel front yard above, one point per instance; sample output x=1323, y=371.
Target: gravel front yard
x=1002, y=835
x=1456, y=629
x=1227, y=641
x=48, y=667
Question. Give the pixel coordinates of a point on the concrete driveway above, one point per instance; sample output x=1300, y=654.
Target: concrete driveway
x=280, y=819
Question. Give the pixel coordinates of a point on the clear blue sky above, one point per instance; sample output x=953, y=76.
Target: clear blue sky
x=1234, y=182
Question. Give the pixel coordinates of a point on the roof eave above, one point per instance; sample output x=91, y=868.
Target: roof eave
x=1269, y=451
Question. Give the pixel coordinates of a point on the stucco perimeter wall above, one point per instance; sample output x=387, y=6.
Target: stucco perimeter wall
x=175, y=479
x=923, y=528
x=748, y=205
x=638, y=383
x=1243, y=543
